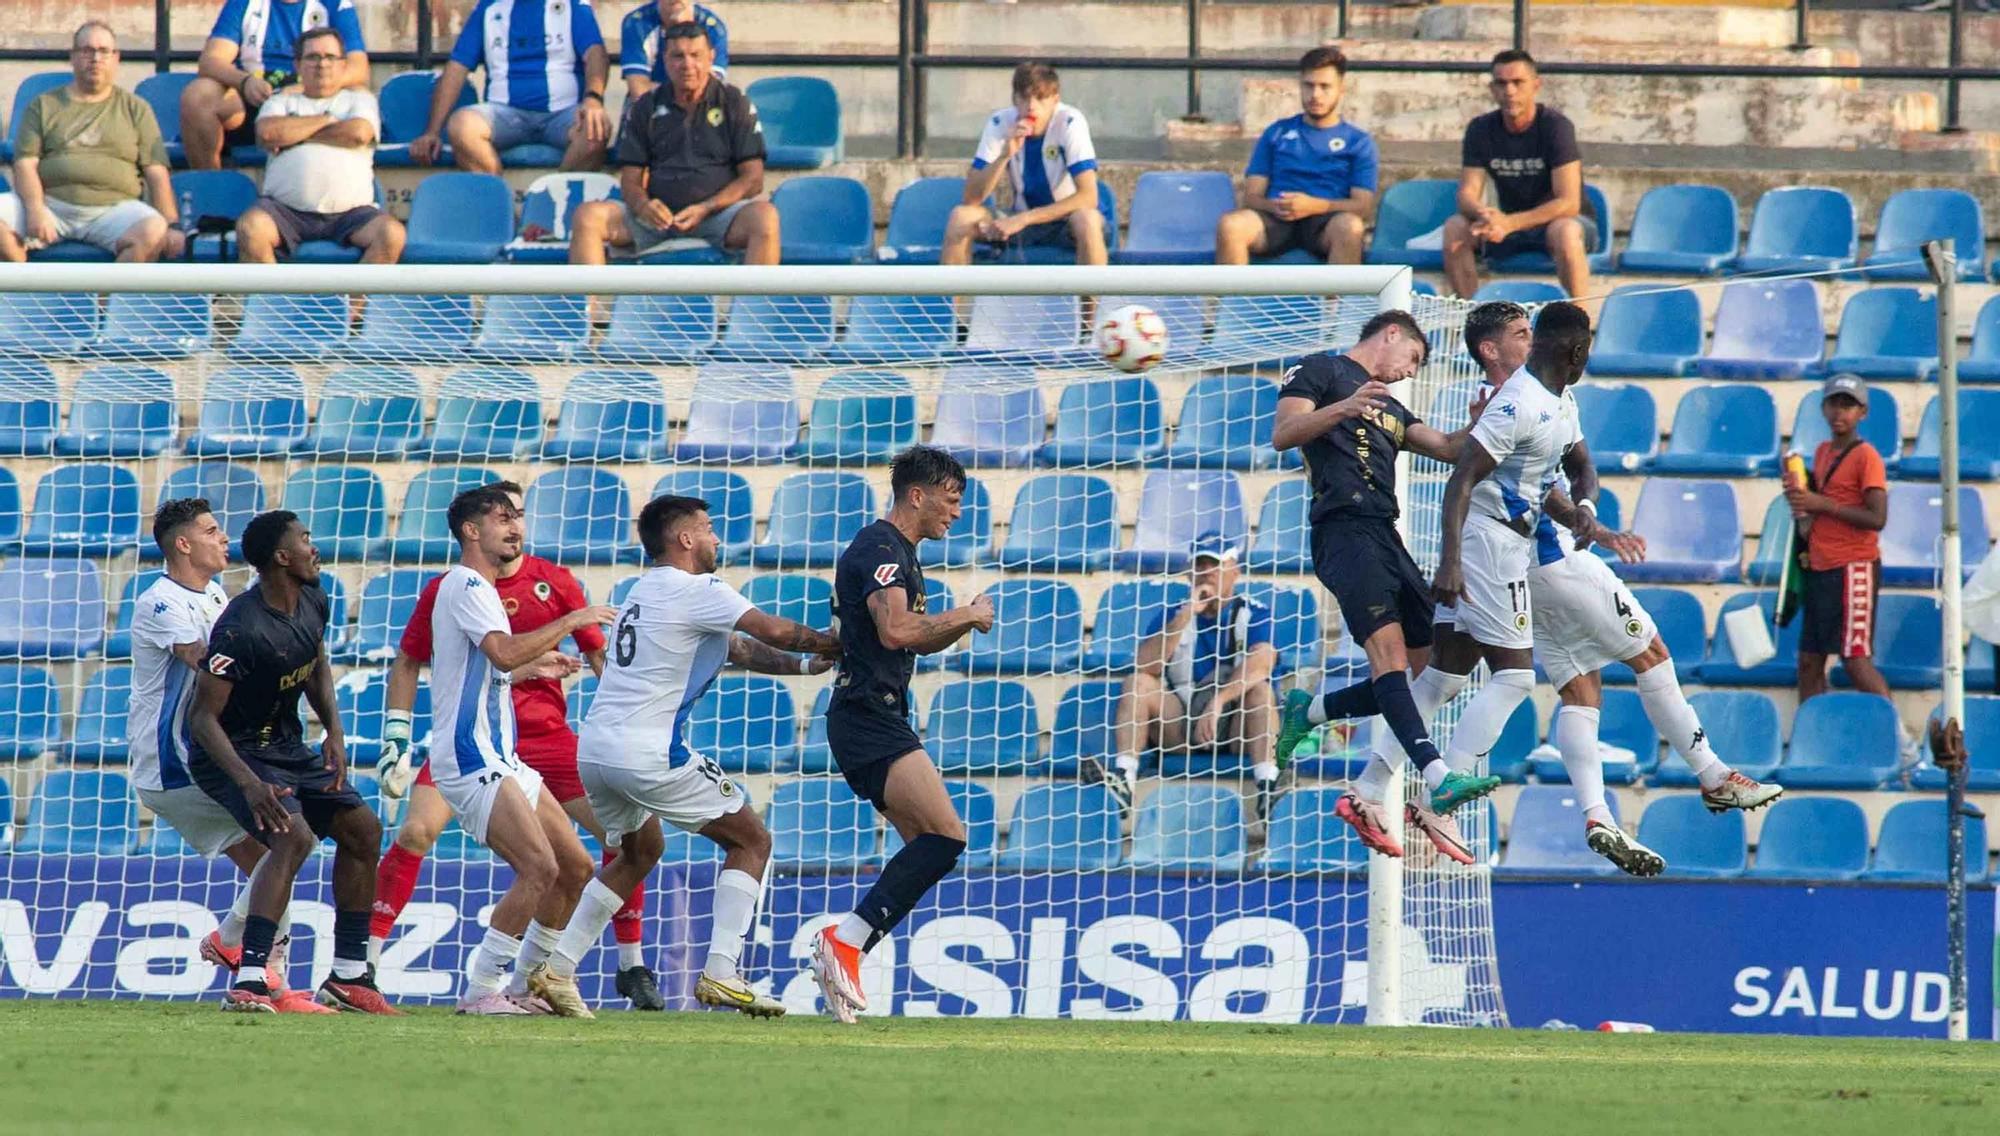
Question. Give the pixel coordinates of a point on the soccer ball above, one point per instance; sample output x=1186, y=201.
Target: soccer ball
x=1131, y=338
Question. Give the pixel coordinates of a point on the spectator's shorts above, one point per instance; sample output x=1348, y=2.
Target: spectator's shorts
x=1839, y=611
x=296, y=226
x=99, y=225
x=1308, y=233
x=199, y=818
x=512, y=127
x=313, y=797
x=1048, y=234
x=712, y=229
x=1537, y=240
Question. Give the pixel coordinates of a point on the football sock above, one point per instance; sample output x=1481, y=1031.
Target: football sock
x=630, y=955
x=258, y=935
x=1479, y=728
x=1576, y=738
x=350, y=944
x=736, y=895
x=594, y=909
x=395, y=880
x=1399, y=709
x=1356, y=701
x=904, y=880
x=854, y=931
x=231, y=931
x=629, y=925
x=1373, y=784
x=537, y=944
x=1668, y=709
x=489, y=962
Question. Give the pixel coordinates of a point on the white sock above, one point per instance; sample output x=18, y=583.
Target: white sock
x=1434, y=773
x=1316, y=709
x=853, y=930
x=736, y=896
x=537, y=944
x=1480, y=727
x=1668, y=709
x=489, y=962
x=1128, y=764
x=630, y=955
x=594, y=909
x=1264, y=771
x=1373, y=784
x=1576, y=737
x=345, y=969
x=375, y=945
x=232, y=922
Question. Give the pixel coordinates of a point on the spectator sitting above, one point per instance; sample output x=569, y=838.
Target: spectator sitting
x=1044, y=148
x=641, y=35
x=1311, y=180
x=1530, y=153
x=543, y=86
x=247, y=57
x=1842, y=520
x=1202, y=677
x=320, y=182
x=11, y=249
x=85, y=151
x=691, y=158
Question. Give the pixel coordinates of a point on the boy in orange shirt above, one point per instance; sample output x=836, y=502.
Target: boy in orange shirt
x=1843, y=524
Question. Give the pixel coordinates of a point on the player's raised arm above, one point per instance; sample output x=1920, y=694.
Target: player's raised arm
x=1436, y=444
x=1300, y=419
x=901, y=629
x=770, y=644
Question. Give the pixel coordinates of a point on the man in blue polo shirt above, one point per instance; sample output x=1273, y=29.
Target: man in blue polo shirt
x=546, y=68
x=250, y=54
x=642, y=56
x=1311, y=180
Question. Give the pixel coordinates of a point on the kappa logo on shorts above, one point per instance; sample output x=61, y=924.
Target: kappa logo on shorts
x=220, y=664
x=885, y=574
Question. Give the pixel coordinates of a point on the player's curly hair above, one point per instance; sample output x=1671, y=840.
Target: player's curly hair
x=660, y=516
x=171, y=515
x=1486, y=321
x=925, y=467
x=473, y=504
x=263, y=534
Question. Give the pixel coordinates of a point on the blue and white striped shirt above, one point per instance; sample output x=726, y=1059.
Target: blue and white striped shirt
x=532, y=50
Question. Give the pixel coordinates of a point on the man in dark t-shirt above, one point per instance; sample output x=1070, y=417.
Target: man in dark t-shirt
x=691, y=158
x=1529, y=154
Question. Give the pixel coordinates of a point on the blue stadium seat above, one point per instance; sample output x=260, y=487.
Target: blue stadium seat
x=91, y=509
x=1682, y=230
x=1982, y=747
x=1190, y=826
x=659, y=329
x=162, y=92
x=779, y=330
x=789, y=595
x=1842, y=740
x=860, y=418
x=1800, y=229
x=1720, y=668
x=86, y=812
x=814, y=754
x=1267, y=331
x=1913, y=216
x=222, y=194
x=1911, y=845
x=423, y=536
x=1882, y=428
x=800, y=115
x=29, y=410
x=547, y=208
x=1765, y=329
x=1520, y=292
x=362, y=697
x=971, y=537
x=813, y=517
x=1407, y=211
x=47, y=324
x=387, y=601
x=102, y=715
x=405, y=105
x=894, y=329
x=459, y=218
x=343, y=507
x=581, y=515
x=1545, y=835
x=917, y=220
x=32, y=87
x=985, y=727
x=402, y=330
x=1621, y=425
x=1175, y=507
x=1304, y=835
x=1887, y=333
x=118, y=644
x=1909, y=542
x=1692, y=533
x=1812, y=838
x=1107, y=422
x=1622, y=722
x=1025, y=331
x=1063, y=827
x=1678, y=618
x=825, y=220
x=1774, y=544
x=745, y=724
x=1284, y=533
x=1508, y=760
x=120, y=411
x=71, y=252
x=235, y=493
x=250, y=412
x=1979, y=365
x=1694, y=844
x=1173, y=217
x=1037, y=629
x=149, y=326
x=485, y=412
x=1978, y=439
x=1295, y=627
x=740, y=414
x=289, y=329
x=989, y=416
x=1126, y=613
x=610, y=415
x=533, y=329
x=819, y=821
x=1728, y=430
x=1084, y=727
x=1595, y=207
x=50, y=608
x=368, y=412
x=1225, y=423
x=729, y=505
x=1909, y=642
x=976, y=811
x=31, y=717
x=1062, y=522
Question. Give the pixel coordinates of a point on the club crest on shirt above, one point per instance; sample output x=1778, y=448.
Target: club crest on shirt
x=543, y=591
x=512, y=606
x=219, y=664
x=715, y=116
x=885, y=574
x=1336, y=144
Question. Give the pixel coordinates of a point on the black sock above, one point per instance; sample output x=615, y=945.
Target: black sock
x=904, y=880
x=258, y=935
x=350, y=941
x=1357, y=701
x=1392, y=695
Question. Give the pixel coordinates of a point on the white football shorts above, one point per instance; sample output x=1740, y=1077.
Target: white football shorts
x=471, y=795
x=1494, y=607
x=199, y=818
x=1585, y=617
x=688, y=796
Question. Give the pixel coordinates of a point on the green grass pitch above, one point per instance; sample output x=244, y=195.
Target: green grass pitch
x=156, y=1069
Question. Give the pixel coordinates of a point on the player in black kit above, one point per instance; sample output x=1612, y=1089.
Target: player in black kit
x=1338, y=409
x=878, y=610
x=248, y=752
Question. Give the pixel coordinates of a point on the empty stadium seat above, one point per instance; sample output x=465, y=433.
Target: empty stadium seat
x=120, y=411
x=1742, y=727
x=422, y=534
x=1842, y=740
x=343, y=507
x=971, y=537
x=49, y=324
x=31, y=718
x=362, y=698
x=1694, y=843
x=729, y=505
x=543, y=230
x=860, y=418
x=1622, y=722
x=118, y=644
x=404, y=329
x=1911, y=217
x=788, y=595
x=1621, y=425
x=234, y=493
x=1909, y=541
x=90, y=509
x=1909, y=642
x=1881, y=428
x=989, y=416
x=1979, y=365
x=80, y=812
x=1037, y=629
x=740, y=414
x=1765, y=329
x=250, y=412
x=29, y=410
x=1225, y=423
x=459, y=218
x=986, y=727
x=485, y=412
x=783, y=330
x=1598, y=210
x=32, y=86
x=745, y=724
x=1911, y=845
x=813, y=517
x=1304, y=835
x=825, y=220
x=976, y=810
x=1185, y=826
x=387, y=601
x=800, y=117
x=1106, y=422
x=610, y=415
x=162, y=92
x=1267, y=331
x=1800, y=229
x=1692, y=533
x=288, y=329
x=894, y=329
x=1545, y=835
x=1727, y=430
x=1127, y=612
x=1682, y=230
x=1887, y=333
x=405, y=105
x=366, y=413
x=917, y=220
x=1175, y=507
x=659, y=329
x=1519, y=292
x=1720, y=668
x=1678, y=618
x=1978, y=440
x=581, y=515
x=1063, y=827
x=1982, y=748
x=539, y=328
x=1085, y=718
x=1815, y=838
x=212, y=196
x=1025, y=331
x=149, y=326
x=1774, y=545
x=819, y=821
x=1173, y=217
x=1284, y=533
x=103, y=714
x=1066, y=522
x=1409, y=223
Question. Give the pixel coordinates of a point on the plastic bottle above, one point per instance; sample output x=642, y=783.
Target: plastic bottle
x=1795, y=469
x=187, y=221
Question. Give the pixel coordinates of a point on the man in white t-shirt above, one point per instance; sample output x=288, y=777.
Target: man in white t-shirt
x=320, y=182
x=1043, y=146
x=679, y=625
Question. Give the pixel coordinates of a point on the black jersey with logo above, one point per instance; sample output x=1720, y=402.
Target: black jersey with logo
x=267, y=657
x=872, y=677
x=1353, y=465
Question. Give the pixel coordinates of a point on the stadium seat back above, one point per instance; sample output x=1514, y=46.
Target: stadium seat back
x=281, y=328
x=1225, y=423
x=1978, y=436
x=789, y=595
x=1037, y=629
x=729, y=504
x=29, y=408
x=52, y=324
x=87, y=509
x=1127, y=612
x=1284, y=535
x=1887, y=333
x=149, y=325
x=1268, y=330
x=553, y=199
x=31, y=717
x=102, y=715
x=889, y=329
x=819, y=821
x=235, y=493
x=1190, y=826
x=1912, y=217
x=1678, y=618
x=486, y=412
x=1173, y=216
x=581, y=515
x=1692, y=842
x=1743, y=724
x=1728, y=429
x=1063, y=826
x=610, y=415
x=1911, y=556
x=1520, y=292
x=541, y=328
x=1766, y=329
x=1409, y=220
x=459, y=218
x=162, y=92
x=250, y=412
x=740, y=413
x=1106, y=422
x=1801, y=227
x=1842, y=740
x=659, y=329
x=1721, y=667
x=861, y=418
x=985, y=727
x=1911, y=844
x=1085, y=725
x=1305, y=836
x=917, y=220
x=1023, y=327
x=1682, y=228
x=387, y=602
x=1545, y=834
x=1816, y=838
x=813, y=517
x=984, y=418
x=825, y=220
x=80, y=812
x=32, y=86
x=1692, y=533
x=362, y=698
x=405, y=105
x=1909, y=641
x=344, y=508
x=1621, y=424
x=1062, y=522
x=1295, y=629
x=1176, y=506
x=401, y=330
x=782, y=330
x=422, y=533
x=1982, y=746
x=213, y=193
x=800, y=115
x=745, y=724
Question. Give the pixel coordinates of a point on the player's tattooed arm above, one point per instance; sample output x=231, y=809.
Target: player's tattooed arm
x=771, y=645
x=510, y=652
x=901, y=629
x=1474, y=465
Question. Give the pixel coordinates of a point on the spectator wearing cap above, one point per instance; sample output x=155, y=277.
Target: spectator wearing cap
x=546, y=68
x=1842, y=512
x=1202, y=677
x=1311, y=180
x=642, y=56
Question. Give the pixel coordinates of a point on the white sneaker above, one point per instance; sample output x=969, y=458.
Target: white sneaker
x=1442, y=830
x=493, y=1003
x=1740, y=792
x=841, y=989
x=1632, y=857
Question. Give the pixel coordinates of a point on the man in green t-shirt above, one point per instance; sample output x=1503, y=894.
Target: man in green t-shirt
x=85, y=153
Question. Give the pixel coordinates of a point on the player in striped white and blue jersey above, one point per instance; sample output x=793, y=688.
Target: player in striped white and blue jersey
x=546, y=68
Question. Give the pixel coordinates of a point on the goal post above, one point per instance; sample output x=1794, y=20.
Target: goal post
x=362, y=397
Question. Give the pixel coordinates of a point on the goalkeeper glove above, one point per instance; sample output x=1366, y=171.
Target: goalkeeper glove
x=394, y=770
